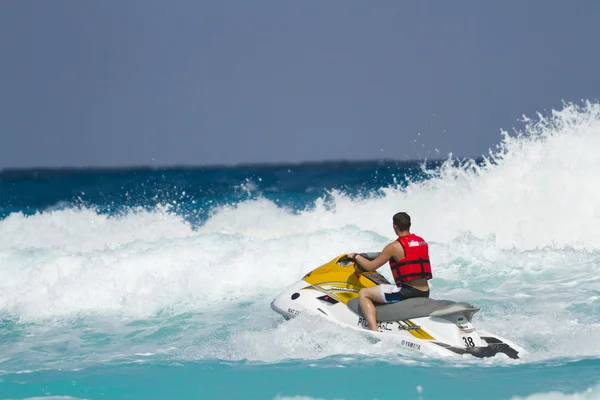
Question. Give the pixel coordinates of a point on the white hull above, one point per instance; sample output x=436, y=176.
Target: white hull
x=449, y=334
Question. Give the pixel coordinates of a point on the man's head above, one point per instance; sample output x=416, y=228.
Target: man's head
x=402, y=221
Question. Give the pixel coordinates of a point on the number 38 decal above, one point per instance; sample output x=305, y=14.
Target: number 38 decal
x=468, y=341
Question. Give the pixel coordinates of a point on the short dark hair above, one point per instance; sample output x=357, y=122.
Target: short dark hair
x=402, y=221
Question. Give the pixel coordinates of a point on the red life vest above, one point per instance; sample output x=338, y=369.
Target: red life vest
x=415, y=264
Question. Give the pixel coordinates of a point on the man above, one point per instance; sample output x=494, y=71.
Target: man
x=409, y=261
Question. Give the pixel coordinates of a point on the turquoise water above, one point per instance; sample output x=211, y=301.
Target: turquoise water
x=156, y=283
x=331, y=379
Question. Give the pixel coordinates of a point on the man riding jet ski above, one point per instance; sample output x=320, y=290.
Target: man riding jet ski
x=341, y=289
x=409, y=261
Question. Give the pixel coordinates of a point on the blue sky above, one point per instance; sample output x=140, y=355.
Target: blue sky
x=112, y=83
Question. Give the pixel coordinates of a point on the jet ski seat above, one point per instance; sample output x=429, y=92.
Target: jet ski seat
x=417, y=307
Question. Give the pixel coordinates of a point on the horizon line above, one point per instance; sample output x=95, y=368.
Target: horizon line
x=265, y=164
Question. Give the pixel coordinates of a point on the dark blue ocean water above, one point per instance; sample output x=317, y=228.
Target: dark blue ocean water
x=194, y=191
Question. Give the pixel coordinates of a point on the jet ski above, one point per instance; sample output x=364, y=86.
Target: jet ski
x=434, y=327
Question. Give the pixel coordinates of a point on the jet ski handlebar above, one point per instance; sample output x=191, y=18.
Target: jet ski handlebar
x=368, y=256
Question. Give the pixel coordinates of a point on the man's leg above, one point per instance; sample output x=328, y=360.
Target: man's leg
x=366, y=297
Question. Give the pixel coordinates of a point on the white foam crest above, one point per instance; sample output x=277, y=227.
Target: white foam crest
x=85, y=230
x=592, y=393
x=140, y=279
x=538, y=189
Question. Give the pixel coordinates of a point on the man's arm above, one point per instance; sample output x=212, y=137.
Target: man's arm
x=384, y=257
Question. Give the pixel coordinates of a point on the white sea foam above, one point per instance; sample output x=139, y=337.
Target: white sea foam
x=592, y=393
x=84, y=230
